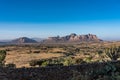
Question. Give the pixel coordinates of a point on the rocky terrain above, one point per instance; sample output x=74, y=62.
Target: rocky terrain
x=74, y=38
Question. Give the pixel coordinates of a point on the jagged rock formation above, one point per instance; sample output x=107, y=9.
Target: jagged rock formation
x=23, y=40
x=74, y=38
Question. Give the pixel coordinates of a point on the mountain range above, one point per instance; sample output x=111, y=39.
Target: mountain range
x=73, y=38
x=68, y=38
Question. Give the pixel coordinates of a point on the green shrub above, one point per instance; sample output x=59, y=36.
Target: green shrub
x=79, y=61
x=113, y=53
x=68, y=61
x=44, y=64
x=100, y=52
x=88, y=59
x=108, y=72
x=11, y=65
x=2, y=57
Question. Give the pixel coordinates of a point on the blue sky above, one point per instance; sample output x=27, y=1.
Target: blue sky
x=43, y=18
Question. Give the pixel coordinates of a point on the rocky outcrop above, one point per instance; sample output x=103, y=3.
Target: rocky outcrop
x=23, y=40
x=74, y=38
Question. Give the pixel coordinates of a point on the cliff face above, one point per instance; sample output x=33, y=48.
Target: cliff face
x=24, y=40
x=74, y=38
x=69, y=38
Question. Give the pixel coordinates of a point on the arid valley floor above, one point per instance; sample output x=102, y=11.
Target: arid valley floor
x=22, y=54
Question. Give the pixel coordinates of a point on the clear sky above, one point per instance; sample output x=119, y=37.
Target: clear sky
x=43, y=18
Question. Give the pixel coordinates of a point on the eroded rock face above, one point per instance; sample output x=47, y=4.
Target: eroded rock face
x=73, y=38
x=24, y=40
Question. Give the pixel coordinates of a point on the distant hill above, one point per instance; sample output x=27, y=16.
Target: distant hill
x=5, y=40
x=65, y=39
x=73, y=38
x=23, y=40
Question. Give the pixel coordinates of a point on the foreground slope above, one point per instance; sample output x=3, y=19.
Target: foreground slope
x=93, y=71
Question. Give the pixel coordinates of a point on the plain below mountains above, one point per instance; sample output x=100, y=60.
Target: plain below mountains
x=69, y=38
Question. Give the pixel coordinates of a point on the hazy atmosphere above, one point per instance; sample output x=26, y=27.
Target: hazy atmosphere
x=44, y=18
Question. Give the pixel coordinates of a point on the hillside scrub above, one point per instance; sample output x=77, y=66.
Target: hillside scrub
x=113, y=53
x=2, y=57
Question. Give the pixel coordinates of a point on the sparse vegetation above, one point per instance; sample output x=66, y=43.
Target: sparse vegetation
x=11, y=65
x=21, y=55
x=108, y=72
x=113, y=53
x=2, y=57
x=54, y=55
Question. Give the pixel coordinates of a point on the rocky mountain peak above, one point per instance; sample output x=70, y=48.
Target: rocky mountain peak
x=74, y=38
x=24, y=40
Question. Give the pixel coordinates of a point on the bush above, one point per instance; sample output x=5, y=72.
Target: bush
x=2, y=57
x=68, y=61
x=44, y=64
x=113, y=53
x=55, y=65
x=11, y=65
x=108, y=72
x=33, y=63
x=37, y=62
x=79, y=61
x=36, y=51
x=88, y=59
x=68, y=53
